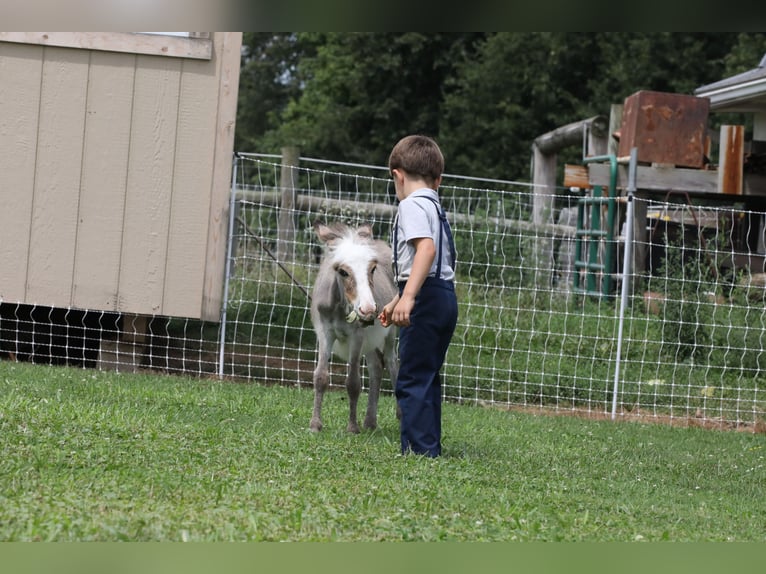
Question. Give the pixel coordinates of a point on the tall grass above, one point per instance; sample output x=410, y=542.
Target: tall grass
x=88, y=455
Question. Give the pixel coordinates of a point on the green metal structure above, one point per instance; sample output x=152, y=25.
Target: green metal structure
x=597, y=265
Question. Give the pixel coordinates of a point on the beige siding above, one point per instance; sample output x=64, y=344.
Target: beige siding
x=114, y=177
x=58, y=170
x=188, y=214
x=18, y=149
x=105, y=172
x=150, y=181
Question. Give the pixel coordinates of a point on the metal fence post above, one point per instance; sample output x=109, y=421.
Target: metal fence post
x=627, y=260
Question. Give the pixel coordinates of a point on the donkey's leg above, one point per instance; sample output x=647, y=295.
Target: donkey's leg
x=391, y=359
x=375, y=371
x=321, y=378
x=353, y=382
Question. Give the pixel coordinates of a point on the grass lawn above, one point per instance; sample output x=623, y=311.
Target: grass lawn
x=88, y=455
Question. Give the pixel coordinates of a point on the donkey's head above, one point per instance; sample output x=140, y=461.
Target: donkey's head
x=351, y=254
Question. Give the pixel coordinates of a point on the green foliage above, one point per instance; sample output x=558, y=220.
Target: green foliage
x=686, y=318
x=483, y=96
x=363, y=91
x=269, y=79
x=696, y=328
x=100, y=456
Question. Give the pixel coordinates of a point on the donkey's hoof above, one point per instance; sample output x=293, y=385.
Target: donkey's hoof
x=315, y=425
x=371, y=423
x=353, y=427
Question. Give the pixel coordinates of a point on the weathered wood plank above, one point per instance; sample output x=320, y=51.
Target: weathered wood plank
x=228, y=48
x=104, y=181
x=576, y=176
x=129, y=42
x=650, y=178
x=149, y=185
x=20, y=76
x=57, y=180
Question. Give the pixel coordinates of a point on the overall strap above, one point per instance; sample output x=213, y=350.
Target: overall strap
x=446, y=230
x=396, y=247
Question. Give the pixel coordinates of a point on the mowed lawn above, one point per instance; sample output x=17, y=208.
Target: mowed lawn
x=88, y=455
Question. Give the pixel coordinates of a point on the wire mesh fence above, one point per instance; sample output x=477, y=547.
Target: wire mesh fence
x=693, y=336
x=530, y=334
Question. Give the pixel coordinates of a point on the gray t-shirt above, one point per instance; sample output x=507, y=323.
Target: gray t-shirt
x=418, y=217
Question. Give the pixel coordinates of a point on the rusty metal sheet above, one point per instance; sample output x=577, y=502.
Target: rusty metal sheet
x=665, y=128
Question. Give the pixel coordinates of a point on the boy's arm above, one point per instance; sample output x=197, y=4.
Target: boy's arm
x=425, y=252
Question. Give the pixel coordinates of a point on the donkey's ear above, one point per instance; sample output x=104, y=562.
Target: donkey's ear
x=365, y=230
x=325, y=233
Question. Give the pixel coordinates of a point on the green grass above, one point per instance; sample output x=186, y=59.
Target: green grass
x=89, y=455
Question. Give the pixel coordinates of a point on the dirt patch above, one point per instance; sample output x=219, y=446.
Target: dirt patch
x=637, y=416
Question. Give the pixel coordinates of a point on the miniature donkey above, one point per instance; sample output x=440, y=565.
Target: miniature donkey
x=354, y=282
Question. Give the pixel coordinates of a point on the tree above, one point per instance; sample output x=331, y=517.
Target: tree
x=522, y=85
x=746, y=54
x=364, y=91
x=484, y=96
x=269, y=80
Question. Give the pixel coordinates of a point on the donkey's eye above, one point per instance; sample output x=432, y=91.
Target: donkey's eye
x=343, y=273
x=372, y=271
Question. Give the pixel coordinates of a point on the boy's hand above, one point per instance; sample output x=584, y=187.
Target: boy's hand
x=385, y=315
x=401, y=313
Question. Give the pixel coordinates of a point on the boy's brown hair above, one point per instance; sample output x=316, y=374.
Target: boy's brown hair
x=418, y=156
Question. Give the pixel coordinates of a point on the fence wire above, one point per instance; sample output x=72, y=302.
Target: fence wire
x=528, y=336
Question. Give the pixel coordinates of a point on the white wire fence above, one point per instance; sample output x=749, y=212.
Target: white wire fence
x=529, y=334
x=539, y=323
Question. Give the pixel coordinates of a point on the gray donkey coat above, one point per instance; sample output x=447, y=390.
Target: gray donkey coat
x=354, y=282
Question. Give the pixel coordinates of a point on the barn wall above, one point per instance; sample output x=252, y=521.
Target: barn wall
x=114, y=176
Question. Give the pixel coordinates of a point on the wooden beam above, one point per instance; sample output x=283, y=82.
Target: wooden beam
x=652, y=178
x=571, y=134
x=306, y=203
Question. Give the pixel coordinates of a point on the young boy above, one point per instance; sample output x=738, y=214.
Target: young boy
x=426, y=307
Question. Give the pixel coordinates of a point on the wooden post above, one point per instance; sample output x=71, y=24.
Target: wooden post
x=598, y=138
x=615, y=121
x=544, y=179
x=286, y=223
x=731, y=153
x=759, y=126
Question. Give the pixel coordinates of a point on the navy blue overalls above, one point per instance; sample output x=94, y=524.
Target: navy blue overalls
x=422, y=349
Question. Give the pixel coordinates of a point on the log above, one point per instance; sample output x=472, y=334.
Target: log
x=571, y=134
